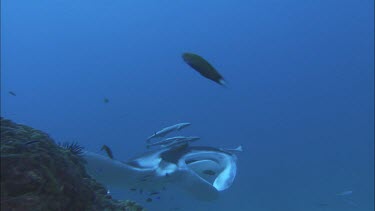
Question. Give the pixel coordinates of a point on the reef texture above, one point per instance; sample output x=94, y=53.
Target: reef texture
x=38, y=174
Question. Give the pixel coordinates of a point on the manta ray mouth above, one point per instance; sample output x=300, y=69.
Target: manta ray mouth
x=206, y=169
x=216, y=168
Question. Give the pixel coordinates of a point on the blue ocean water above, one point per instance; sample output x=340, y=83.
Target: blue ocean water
x=300, y=95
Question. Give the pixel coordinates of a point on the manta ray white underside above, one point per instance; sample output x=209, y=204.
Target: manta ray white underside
x=201, y=171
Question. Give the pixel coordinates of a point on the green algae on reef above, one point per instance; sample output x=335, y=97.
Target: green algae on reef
x=38, y=174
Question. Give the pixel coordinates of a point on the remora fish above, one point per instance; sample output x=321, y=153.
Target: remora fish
x=173, y=140
x=237, y=149
x=12, y=93
x=167, y=130
x=186, y=140
x=166, y=141
x=203, y=67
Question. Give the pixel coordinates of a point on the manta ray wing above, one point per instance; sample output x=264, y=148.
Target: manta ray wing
x=201, y=171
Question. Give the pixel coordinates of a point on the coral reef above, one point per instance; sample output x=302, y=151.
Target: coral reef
x=38, y=174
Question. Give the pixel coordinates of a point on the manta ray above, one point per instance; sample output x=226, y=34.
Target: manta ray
x=199, y=170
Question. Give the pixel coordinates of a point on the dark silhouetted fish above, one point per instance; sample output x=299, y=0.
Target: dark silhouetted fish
x=32, y=142
x=107, y=150
x=203, y=67
x=209, y=172
x=154, y=193
x=12, y=93
x=106, y=100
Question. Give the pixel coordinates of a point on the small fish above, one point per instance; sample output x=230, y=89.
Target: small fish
x=133, y=189
x=237, y=149
x=32, y=142
x=173, y=141
x=149, y=199
x=107, y=150
x=106, y=100
x=154, y=193
x=12, y=93
x=166, y=141
x=204, y=68
x=165, y=131
x=209, y=172
x=344, y=193
x=181, y=142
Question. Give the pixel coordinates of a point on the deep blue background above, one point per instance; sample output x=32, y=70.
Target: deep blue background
x=300, y=96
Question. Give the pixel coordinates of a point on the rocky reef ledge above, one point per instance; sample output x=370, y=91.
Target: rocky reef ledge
x=39, y=174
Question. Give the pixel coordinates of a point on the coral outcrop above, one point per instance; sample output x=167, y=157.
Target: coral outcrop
x=38, y=174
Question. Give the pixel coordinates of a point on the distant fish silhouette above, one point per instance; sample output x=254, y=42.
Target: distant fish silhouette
x=202, y=66
x=154, y=193
x=107, y=150
x=12, y=93
x=209, y=172
x=345, y=193
x=32, y=142
x=106, y=100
